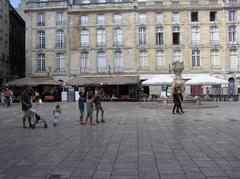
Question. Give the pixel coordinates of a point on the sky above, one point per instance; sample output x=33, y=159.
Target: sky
x=15, y=3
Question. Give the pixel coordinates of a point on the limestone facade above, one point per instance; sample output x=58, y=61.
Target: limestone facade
x=128, y=37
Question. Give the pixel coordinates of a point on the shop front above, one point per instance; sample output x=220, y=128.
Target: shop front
x=115, y=87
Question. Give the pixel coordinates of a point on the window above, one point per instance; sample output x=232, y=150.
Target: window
x=213, y=16
x=59, y=18
x=100, y=19
x=40, y=62
x=176, y=17
x=101, y=1
x=60, y=62
x=84, y=62
x=59, y=39
x=159, y=36
x=40, y=39
x=214, y=36
x=232, y=34
x=117, y=36
x=215, y=60
x=177, y=56
x=233, y=61
x=195, y=58
x=142, y=18
x=84, y=38
x=232, y=16
x=142, y=36
x=194, y=16
x=84, y=20
x=101, y=62
x=195, y=35
x=118, y=62
x=159, y=17
x=117, y=19
x=100, y=37
x=160, y=60
x=176, y=35
x=143, y=60
x=85, y=1
x=40, y=19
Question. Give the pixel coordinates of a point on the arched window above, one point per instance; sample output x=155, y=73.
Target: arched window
x=84, y=38
x=101, y=62
x=196, y=58
x=233, y=61
x=161, y=60
x=59, y=39
x=142, y=36
x=40, y=62
x=176, y=35
x=117, y=36
x=143, y=60
x=84, y=62
x=41, y=39
x=195, y=35
x=118, y=62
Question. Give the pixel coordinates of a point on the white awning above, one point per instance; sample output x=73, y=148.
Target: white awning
x=191, y=79
x=205, y=80
x=159, y=80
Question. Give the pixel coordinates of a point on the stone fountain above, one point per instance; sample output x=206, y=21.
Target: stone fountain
x=177, y=68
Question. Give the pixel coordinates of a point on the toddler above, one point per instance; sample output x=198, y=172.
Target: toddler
x=56, y=115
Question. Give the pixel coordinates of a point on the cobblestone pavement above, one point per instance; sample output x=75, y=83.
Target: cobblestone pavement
x=135, y=142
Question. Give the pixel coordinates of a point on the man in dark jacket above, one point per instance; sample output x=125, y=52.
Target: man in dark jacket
x=26, y=105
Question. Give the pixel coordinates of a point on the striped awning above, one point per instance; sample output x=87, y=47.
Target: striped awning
x=103, y=80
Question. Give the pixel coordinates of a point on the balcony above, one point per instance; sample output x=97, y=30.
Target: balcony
x=118, y=69
x=234, y=1
x=32, y=4
x=101, y=69
x=84, y=70
x=216, y=67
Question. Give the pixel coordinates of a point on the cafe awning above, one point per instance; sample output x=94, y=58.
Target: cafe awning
x=206, y=80
x=103, y=80
x=33, y=81
x=159, y=80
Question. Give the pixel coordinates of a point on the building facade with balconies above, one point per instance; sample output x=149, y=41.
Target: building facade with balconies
x=123, y=37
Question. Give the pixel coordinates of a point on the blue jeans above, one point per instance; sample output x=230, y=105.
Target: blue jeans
x=7, y=100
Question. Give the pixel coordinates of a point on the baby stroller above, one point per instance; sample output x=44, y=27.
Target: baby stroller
x=36, y=118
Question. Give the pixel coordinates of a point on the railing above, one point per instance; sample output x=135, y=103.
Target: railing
x=101, y=69
x=83, y=2
x=40, y=4
x=118, y=69
x=84, y=70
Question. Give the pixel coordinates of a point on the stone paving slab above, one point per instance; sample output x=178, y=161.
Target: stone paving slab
x=137, y=141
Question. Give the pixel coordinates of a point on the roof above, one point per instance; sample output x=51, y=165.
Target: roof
x=103, y=80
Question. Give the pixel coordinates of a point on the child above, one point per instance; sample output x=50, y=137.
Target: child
x=81, y=106
x=56, y=115
x=89, y=105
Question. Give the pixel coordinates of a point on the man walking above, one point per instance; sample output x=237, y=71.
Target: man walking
x=26, y=105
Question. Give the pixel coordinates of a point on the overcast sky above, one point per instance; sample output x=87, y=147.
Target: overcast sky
x=15, y=3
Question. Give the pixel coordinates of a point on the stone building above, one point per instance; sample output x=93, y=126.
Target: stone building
x=4, y=41
x=12, y=43
x=16, y=44
x=92, y=38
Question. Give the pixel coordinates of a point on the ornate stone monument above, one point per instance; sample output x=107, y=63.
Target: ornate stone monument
x=177, y=68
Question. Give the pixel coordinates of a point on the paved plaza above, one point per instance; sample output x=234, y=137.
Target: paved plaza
x=138, y=140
